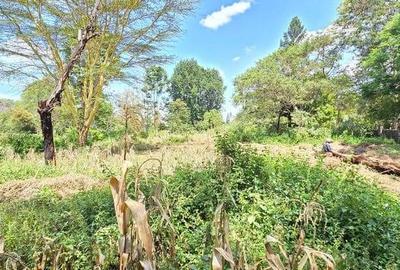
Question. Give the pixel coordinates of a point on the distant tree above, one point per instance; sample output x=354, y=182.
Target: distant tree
x=212, y=119
x=155, y=85
x=295, y=33
x=5, y=104
x=201, y=89
x=178, y=116
x=383, y=66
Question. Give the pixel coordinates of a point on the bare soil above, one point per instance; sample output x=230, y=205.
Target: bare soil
x=63, y=186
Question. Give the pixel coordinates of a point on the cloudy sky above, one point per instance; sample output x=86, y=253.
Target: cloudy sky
x=230, y=35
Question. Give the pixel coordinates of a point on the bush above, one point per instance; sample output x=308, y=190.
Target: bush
x=23, y=142
x=247, y=132
x=179, y=116
x=211, y=119
x=76, y=224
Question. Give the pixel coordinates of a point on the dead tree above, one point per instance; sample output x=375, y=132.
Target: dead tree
x=46, y=107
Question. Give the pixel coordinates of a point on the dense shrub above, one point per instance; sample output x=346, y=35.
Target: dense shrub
x=23, y=142
x=76, y=223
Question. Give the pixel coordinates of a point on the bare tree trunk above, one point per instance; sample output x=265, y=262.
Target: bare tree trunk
x=83, y=135
x=380, y=130
x=47, y=131
x=278, y=124
x=289, y=117
x=45, y=107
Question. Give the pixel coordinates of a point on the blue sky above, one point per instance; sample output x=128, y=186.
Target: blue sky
x=233, y=38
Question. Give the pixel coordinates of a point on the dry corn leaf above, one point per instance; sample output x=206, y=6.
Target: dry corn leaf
x=147, y=265
x=1, y=244
x=139, y=214
x=227, y=256
x=273, y=259
x=216, y=261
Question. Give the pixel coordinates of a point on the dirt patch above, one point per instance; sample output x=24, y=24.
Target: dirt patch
x=63, y=186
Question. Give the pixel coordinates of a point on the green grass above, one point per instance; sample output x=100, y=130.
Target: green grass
x=263, y=195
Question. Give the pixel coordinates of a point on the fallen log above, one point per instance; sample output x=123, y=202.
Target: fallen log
x=384, y=167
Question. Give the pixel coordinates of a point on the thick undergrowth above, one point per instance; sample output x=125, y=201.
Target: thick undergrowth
x=357, y=223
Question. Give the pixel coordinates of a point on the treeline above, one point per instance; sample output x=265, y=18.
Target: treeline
x=190, y=100
x=342, y=80
x=39, y=37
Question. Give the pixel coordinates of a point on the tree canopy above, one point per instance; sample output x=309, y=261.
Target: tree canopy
x=200, y=88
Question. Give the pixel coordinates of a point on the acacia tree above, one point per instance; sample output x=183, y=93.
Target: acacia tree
x=39, y=34
x=295, y=34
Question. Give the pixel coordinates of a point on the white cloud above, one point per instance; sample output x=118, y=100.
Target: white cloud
x=235, y=59
x=225, y=14
x=249, y=49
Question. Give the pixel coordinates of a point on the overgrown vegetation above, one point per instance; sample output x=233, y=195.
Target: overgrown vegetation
x=263, y=196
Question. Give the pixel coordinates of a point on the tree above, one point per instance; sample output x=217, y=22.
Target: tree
x=383, y=66
x=361, y=21
x=40, y=35
x=200, y=88
x=295, y=33
x=211, y=119
x=155, y=85
x=303, y=76
x=178, y=116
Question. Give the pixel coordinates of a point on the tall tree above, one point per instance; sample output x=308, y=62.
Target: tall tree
x=39, y=35
x=201, y=89
x=382, y=65
x=295, y=33
x=361, y=21
x=155, y=85
x=302, y=76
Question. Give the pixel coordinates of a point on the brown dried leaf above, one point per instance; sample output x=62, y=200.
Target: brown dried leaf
x=227, y=256
x=1, y=244
x=216, y=261
x=147, y=265
x=139, y=214
x=273, y=259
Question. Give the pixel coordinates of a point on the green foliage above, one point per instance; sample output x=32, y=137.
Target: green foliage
x=211, y=119
x=364, y=19
x=179, y=116
x=290, y=78
x=23, y=142
x=383, y=65
x=155, y=84
x=362, y=221
x=295, y=33
x=265, y=197
x=22, y=120
x=14, y=169
x=200, y=88
x=75, y=223
x=35, y=92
